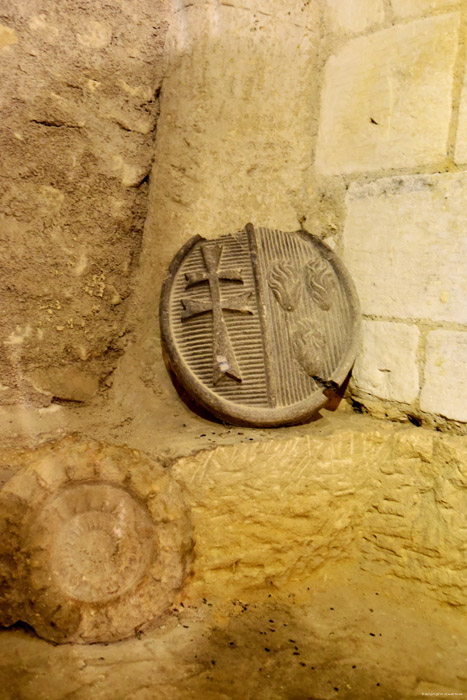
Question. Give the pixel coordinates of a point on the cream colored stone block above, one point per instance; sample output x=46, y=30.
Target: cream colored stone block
x=354, y=15
x=405, y=241
x=387, y=365
x=445, y=389
x=387, y=98
x=410, y=8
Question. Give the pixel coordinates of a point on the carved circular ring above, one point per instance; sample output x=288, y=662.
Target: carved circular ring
x=259, y=326
x=106, y=541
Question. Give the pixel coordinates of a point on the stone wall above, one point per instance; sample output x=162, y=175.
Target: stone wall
x=392, y=146
x=80, y=88
x=348, y=119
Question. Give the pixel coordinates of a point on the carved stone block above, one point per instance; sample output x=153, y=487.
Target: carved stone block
x=257, y=325
x=95, y=542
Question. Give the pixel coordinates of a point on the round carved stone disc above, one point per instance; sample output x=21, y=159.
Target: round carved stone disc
x=257, y=325
x=97, y=542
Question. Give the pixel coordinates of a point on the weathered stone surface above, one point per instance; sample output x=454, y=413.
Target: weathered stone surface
x=79, y=109
x=354, y=15
x=387, y=98
x=460, y=153
x=258, y=324
x=278, y=510
x=69, y=383
x=417, y=518
x=372, y=639
x=445, y=388
x=387, y=364
x=95, y=542
x=403, y=240
x=234, y=136
x=409, y=8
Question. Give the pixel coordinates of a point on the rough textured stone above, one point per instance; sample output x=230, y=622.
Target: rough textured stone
x=409, y=8
x=79, y=109
x=387, y=364
x=445, y=388
x=403, y=240
x=354, y=15
x=372, y=640
x=279, y=510
x=415, y=524
x=233, y=138
x=460, y=154
x=95, y=542
x=387, y=98
x=69, y=383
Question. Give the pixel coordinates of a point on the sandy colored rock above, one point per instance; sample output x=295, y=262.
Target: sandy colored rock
x=445, y=387
x=278, y=510
x=233, y=140
x=409, y=8
x=67, y=383
x=460, y=153
x=354, y=15
x=387, y=364
x=386, y=100
x=403, y=240
x=285, y=549
x=344, y=630
x=79, y=109
x=96, y=542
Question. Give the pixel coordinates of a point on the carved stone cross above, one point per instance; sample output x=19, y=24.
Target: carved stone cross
x=224, y=360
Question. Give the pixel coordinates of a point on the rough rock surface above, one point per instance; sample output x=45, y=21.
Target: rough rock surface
x=395, y=500
x=346, y=635
x=79, y=108
x=392, y=501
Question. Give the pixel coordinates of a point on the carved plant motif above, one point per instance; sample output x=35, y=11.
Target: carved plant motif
x=308, y=345
x=320, y=282
x=285, y=284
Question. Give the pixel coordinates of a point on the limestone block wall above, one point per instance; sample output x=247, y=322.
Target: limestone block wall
x=392, y=145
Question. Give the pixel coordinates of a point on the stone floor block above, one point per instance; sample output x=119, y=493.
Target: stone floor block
x=387, y=365
x=404, y=239
x=445, y=388
x=387, y=98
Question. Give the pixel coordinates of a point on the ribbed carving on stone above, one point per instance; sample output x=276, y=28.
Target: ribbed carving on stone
x=99, y=542
x=257, y=325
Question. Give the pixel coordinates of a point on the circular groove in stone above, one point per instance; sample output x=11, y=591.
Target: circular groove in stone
x=101, y=543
